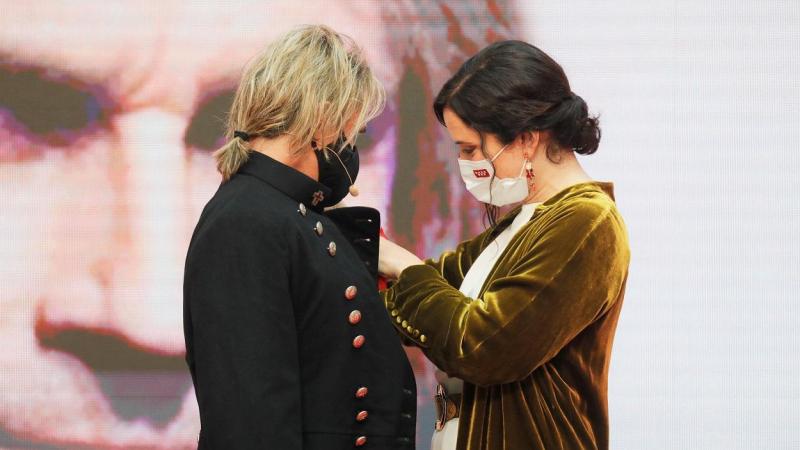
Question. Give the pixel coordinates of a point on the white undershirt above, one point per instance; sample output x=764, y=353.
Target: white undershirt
x=479, y=271
x=471, y=287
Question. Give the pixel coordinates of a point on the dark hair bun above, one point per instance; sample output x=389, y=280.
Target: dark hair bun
x=573, y=128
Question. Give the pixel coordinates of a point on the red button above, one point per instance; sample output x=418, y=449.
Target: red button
x=359, y=340
x=361, y=440
x=355, y=317
x=362, y=416
x=361, y=392
x=350, y=292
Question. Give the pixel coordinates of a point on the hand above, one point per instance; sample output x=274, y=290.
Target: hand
x=393, y=259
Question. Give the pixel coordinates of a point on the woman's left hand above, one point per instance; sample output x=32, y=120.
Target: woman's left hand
x=393, y=259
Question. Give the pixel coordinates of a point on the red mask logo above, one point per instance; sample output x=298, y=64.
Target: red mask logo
x=481, y=173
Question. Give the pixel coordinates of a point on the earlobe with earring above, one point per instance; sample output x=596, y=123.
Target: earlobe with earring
x=529, y=173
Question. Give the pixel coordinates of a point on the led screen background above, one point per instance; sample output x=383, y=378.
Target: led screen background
x=109, y=112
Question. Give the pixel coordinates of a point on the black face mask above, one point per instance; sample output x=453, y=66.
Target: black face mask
x=338, y=171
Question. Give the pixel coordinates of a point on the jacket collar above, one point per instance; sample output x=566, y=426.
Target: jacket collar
x=291, y=182
x=601, y=186
x=588, y=186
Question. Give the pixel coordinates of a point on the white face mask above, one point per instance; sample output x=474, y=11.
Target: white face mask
x=477, y=175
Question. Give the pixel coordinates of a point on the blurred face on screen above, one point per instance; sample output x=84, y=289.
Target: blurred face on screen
x=108, y=118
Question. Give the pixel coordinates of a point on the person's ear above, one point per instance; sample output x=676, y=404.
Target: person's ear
x=529, y=141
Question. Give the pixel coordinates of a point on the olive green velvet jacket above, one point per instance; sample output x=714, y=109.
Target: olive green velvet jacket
x=534, y=348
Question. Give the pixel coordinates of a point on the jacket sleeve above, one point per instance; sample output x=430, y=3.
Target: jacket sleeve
x=454, y=265
x=564, y=279
x=451, y=265
x=243, y=351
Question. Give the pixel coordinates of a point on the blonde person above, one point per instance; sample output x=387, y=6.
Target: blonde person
x=287, y=342
x=521, y=318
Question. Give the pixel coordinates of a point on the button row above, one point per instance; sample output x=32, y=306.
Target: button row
x=407, y=326
x=361, y=416
x=318, y=228
x=353, y=318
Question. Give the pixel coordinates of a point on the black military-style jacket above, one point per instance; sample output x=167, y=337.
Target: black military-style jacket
x=287, y=340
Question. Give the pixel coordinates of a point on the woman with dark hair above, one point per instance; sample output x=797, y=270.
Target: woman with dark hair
x=521, y=318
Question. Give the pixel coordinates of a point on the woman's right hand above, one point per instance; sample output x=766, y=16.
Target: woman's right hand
x=393, y=259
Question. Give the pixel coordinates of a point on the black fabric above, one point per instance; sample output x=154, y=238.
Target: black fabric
x=268, y=341
x=338, y=170
x=361, y=226
x=293, y=184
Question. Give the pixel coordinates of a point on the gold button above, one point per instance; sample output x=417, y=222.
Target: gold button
x=404, y=323
x=355, y=317
x=410, y=329
x=319, y=229
x=399, y=319
x=361, y=392
x=350, y=292
x=394, y=313
x=332, y=248
x=358, y=341
x=416, y=333
x=423, y=338
x=362, y=416
x=361, y=440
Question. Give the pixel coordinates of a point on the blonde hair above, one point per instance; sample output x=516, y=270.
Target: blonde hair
x=310, y=80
